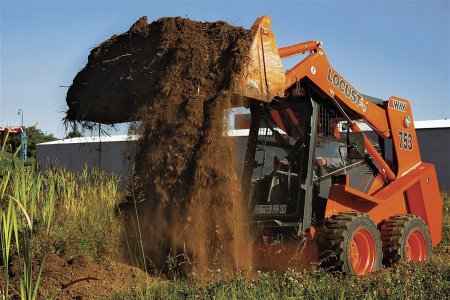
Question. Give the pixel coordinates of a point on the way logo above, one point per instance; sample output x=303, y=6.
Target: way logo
x=397, y=105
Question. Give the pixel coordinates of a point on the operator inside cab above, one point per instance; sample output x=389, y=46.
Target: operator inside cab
x=326, y=157
x=328, y=140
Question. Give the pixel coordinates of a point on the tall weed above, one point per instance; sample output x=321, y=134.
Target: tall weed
x=58, y=211
x=20, y=194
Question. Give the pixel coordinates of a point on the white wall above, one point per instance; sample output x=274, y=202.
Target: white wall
x=117, y=153
x=112, y=156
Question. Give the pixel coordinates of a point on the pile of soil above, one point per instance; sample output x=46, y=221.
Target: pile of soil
x=129, y=70
x=80, y=278
x=175, y=75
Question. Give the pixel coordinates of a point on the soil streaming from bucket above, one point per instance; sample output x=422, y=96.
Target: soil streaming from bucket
x=175, y=75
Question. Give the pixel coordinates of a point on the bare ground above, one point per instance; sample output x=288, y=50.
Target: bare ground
x=79, y=278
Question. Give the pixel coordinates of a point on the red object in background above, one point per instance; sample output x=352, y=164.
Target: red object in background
x=242, y=121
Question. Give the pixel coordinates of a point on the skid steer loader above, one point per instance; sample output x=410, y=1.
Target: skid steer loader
x=317, y=187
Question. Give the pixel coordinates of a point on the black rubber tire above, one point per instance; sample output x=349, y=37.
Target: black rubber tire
x=335, y=239
x=395, y=232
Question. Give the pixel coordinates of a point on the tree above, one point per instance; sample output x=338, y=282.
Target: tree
x=74, y=132
x=34, y=136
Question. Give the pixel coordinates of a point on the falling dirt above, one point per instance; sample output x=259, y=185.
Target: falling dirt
x=174, y=75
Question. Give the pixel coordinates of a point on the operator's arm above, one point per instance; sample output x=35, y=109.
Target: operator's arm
x=334, y=162
x=330, y=162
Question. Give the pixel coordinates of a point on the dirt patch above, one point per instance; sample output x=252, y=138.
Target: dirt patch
x=175, y=76
x=80, y=278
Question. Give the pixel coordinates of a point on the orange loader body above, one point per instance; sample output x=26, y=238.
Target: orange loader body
x=403, y=195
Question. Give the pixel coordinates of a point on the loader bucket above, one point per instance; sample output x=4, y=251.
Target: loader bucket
x=263, y=76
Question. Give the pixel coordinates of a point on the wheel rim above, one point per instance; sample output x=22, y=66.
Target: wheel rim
x=362, y=252
x=416, y=247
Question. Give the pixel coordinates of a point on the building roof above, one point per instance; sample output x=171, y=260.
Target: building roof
x=445, y=123
x=428, y=124
x=93, y=139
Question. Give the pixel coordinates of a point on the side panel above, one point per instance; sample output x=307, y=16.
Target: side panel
x=340, y=201
x=424, y=200
x=416, y=193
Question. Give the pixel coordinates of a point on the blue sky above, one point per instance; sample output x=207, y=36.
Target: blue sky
x=383, y=48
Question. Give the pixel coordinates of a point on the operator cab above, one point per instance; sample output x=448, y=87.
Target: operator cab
x=280, y=160
x=288, y=190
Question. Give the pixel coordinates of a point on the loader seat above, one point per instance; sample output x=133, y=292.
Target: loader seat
x=283, y=187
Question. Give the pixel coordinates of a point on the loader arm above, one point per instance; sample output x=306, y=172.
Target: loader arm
x=317, y=69
x=264, y=79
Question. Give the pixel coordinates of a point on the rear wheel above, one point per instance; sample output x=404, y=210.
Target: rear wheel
x=350, y=243
x=405, y=238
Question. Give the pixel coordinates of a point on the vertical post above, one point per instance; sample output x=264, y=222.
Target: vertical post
x=307, y=211
x=99, y=147
x=252, y=142
x=24, y=145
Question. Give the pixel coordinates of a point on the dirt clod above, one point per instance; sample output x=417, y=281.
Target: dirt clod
x=174, y=75
x=155, y=60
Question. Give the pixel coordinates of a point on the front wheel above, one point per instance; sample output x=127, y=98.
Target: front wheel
x=350, y=243
x=405, y=238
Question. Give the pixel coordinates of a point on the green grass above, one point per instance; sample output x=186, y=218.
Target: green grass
x=6, y=160
x=86, y=221
x=71, y=214
x=56, y=212
x=20, y=197
x=413, y=281
x=403, y=281
x=82, y=208
x=444, y=246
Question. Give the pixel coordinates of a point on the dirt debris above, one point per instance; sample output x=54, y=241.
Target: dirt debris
x=80, y=277
x=174, y=75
